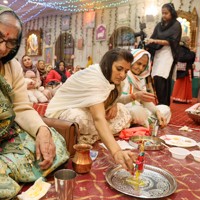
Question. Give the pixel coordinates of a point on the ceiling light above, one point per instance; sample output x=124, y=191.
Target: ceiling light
x=5, y=1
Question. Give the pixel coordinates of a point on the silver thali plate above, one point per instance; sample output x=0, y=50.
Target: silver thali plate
x=150, y=142
x=158, y=183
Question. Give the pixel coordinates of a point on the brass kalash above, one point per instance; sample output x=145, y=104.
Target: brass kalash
x=82, y=161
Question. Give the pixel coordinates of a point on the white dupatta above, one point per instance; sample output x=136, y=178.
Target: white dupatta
x=83, y=89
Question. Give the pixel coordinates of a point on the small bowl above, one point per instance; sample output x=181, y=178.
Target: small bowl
x=179, y=153
x=196, y=155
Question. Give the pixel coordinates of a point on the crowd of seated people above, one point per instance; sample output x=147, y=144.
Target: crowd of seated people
x=44, y=80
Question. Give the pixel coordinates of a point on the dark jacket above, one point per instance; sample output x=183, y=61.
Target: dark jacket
x=185, y=56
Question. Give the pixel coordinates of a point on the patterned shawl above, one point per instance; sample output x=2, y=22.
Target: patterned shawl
x=7, y=114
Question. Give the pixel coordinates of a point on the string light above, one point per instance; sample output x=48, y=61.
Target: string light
x=34, y=16
x=70, y=6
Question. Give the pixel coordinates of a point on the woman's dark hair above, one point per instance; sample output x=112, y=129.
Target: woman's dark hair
x=112, y=56
x=58, y=63
x=171, y=8
x=14, y=51
x=62, y=73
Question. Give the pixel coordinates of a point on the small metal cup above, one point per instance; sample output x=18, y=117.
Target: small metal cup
x=64, y=184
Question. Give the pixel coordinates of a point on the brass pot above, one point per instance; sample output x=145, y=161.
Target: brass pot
x=82, y=161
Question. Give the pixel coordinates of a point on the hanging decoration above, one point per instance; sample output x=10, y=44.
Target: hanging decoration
x=190, y=5
x=181, y=4
x=70, y=32
x=129, y=15
x=136, y=16
x=116, y=17
x=55, y=28
x=109, y=23
x=80, y=42
x=76, y=26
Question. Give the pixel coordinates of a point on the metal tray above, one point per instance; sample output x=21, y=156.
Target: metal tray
x=158, y=182
x=156, y=142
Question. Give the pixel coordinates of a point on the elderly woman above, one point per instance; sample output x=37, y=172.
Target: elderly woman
x=142, y=108
x=28, y=148
x=89, y=98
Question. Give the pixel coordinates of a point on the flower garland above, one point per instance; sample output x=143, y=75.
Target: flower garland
x=116, y=18
x=109, y=23
x=181, y=4
x=55, y=29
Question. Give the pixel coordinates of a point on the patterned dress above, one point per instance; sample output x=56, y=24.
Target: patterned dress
x=17, y=149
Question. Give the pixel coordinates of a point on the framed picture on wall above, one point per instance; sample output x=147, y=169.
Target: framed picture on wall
x=33, y=45
x=101, y=32
x=65, y=23
x=48, y=55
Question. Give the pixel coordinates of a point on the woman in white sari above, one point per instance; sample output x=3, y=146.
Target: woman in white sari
x=89, y=98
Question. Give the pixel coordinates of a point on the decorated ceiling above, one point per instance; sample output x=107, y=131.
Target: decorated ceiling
x=31, y=9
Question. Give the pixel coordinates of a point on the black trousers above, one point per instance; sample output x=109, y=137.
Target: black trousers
x=163, y=89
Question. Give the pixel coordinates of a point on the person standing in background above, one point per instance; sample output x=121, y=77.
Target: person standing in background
x=163, y=46
x=182, y=92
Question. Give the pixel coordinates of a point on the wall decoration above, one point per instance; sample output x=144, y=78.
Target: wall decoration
x=123, y=14
x=47, y=37
x=65, y=23
x=89, y=19
x=80, y=44
x=33, y=45
x=101, y=32
x=48, y=54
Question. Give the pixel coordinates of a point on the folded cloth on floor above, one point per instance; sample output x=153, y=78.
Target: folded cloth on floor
x=135, y=131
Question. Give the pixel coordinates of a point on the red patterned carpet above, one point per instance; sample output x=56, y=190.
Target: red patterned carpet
x=180, y=117
x=95, y=183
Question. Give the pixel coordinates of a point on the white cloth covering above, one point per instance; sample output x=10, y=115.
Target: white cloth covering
x=162, y=62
